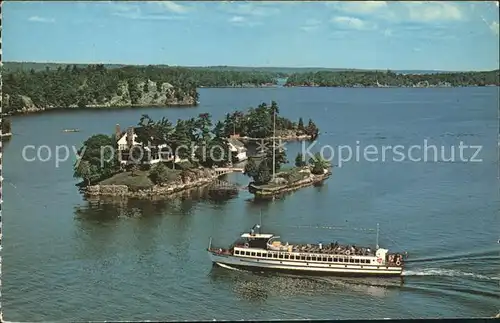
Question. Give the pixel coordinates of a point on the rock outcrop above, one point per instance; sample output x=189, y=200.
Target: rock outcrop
x=187, y=180
x=152, y=95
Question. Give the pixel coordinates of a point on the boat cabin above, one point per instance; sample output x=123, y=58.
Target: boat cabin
x=253, y=239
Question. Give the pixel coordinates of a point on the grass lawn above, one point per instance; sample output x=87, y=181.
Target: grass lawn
x=290, y=174
x=140, y=179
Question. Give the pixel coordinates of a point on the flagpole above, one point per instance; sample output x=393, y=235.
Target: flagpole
x=274, y=146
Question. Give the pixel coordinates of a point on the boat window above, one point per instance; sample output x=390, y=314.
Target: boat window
x=341, y=259
x=259, y=254
x=302, y=257
x=313, y=258
x=247, y=253
x=280, y=256
x=253, y=254
x=287, y=257
x=308, y=258
x=356, y=261
x=236, y=252
x=275, y=255
x=330, y=260
x=351, y=260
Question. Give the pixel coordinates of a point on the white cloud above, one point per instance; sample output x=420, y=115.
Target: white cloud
x=173, y=7
x=41, y=19
x=311, y=25
x=494, y=27
x=361, y=7
x=249, y=9
x=352, y=23
x=433, y=11
x=237, y=19
x=243, y=21
x=132, y=11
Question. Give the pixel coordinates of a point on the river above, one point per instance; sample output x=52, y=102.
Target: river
x=68, y=259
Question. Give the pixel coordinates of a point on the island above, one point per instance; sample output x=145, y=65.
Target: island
x=96, y=86
x=6, y=129
x=388, y=78
x=160, y=158
x=269, y=184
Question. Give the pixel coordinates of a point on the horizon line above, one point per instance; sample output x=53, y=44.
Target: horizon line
x=248, y=66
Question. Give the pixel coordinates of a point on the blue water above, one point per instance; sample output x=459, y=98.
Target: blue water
x=65, y=258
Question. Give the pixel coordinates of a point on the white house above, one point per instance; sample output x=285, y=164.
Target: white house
x=238, y=149
x=127, y=140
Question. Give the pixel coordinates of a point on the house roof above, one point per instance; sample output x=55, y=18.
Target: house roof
x=236, y=143
x=123, y=133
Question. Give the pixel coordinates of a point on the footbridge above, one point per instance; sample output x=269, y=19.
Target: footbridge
x=219, y=171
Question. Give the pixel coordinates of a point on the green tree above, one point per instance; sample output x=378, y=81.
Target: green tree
x=279, y=158
x=134, y=168
x=251, y=168
x=179, y=141
x=218, y=153
x=300, y=160
x=312, y=130
x=6, y=125
x=263, y=174
x=98, y=151
x=84, y=171
x=300, y=126
x=319, y=164
x=159, y=174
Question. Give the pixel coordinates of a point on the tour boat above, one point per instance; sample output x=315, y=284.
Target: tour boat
x=264, y=252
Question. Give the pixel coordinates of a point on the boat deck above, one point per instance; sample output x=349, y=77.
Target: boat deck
x=334, y=249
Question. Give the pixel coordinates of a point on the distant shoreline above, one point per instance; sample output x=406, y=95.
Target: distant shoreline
x=133, y=106
x=93, y=107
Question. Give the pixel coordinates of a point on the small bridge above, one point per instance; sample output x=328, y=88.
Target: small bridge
x=222, y=185
x=220, y=189
x=228, y=170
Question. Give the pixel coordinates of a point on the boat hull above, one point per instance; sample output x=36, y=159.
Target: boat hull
x=304, y=268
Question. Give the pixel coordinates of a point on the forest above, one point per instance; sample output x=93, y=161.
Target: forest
x=94, y=85
x=389, y=78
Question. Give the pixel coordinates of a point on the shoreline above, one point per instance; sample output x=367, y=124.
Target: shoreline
x=283, y=138
x=154, y=192
x=30, y=111
x=390, y=86
x=93, y=107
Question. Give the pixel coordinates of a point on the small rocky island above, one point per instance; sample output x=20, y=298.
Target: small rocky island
x=6, y=129
x=159, y=158
x=268, y=185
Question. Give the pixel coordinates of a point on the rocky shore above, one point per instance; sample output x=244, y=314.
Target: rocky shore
x=276, y=189
x=167, y=96
x=190, y=179
x=286, y=137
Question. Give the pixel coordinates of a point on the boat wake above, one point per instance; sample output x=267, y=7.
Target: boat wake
x=490, y=254
x=228, y=267
x=447, y=273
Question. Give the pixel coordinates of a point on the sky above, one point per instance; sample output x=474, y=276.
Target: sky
x=423, y=35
